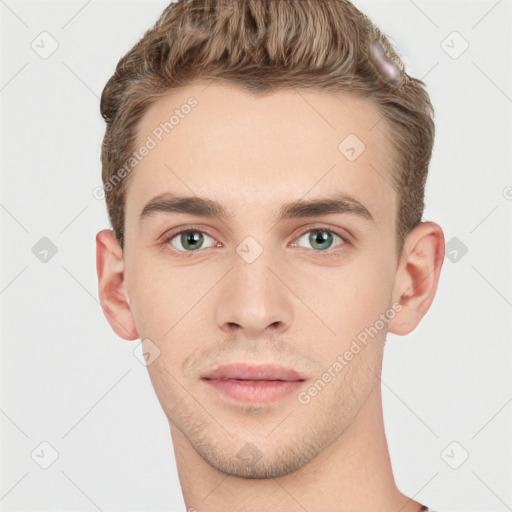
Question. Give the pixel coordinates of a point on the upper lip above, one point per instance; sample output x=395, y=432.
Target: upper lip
x=245, y=371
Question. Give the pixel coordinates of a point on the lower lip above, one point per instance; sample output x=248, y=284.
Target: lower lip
x=259, y=391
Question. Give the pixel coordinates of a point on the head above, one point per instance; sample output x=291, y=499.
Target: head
x=268, y=98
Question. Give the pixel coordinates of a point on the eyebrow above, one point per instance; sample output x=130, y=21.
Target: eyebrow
x=203, y=207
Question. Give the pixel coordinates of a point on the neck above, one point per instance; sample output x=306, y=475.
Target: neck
x=352, y=474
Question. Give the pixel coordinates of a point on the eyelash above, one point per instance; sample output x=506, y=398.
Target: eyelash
x=324, y=253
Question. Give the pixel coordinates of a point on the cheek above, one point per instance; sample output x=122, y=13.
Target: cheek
x=153, y=295
x=165, y=303
x=357, y=295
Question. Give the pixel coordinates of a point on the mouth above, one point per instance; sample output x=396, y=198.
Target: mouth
x=249, y=383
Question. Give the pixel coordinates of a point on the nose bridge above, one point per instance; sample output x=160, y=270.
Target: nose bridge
x=252, y=297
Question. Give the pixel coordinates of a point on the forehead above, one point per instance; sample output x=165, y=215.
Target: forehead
x=222, y=142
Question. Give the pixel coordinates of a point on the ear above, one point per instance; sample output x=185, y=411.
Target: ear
x=111, y=290
x=417, y=276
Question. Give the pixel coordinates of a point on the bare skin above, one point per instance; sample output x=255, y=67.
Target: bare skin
x=293, y=305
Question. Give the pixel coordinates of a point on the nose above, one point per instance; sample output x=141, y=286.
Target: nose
x=254, y=299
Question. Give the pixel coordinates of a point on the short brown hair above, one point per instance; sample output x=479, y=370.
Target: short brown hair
x=265, y=45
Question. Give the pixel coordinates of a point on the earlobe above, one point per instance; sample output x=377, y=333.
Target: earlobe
x=111, y=290
x=417, y=276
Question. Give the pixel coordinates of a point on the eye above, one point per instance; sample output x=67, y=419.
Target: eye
x=188, y=240
x=320, y=239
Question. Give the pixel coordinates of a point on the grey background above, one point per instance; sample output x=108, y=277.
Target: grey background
x=68, y=380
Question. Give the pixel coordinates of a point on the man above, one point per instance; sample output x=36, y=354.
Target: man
x=264, y=167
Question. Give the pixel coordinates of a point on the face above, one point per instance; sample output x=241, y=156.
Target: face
x=269, y=282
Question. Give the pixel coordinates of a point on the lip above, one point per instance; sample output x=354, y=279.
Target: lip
x=250, y=383
x=246, y=371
